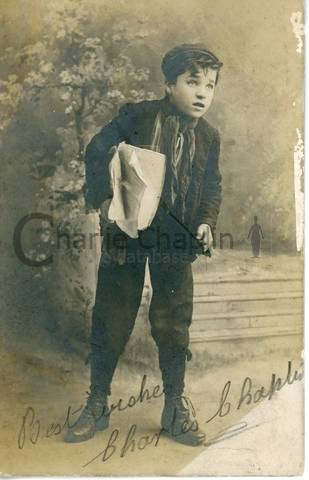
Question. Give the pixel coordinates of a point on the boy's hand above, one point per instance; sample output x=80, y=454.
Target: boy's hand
x=205, y=237
x=104, y=207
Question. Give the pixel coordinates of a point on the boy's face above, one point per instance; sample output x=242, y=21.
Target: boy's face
x=192, y=93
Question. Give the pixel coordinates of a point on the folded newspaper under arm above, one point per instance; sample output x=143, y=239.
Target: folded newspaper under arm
x=137, y=177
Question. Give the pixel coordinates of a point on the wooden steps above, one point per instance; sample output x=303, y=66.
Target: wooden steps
x=236, y=307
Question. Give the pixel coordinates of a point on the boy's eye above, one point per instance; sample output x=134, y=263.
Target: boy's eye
x=192, y=82
x=210, y=86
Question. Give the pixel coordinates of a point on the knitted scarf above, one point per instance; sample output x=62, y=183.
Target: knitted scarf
x=173, y=134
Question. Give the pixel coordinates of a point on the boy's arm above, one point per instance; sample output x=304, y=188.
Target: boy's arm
x=98, y=154
x=211, y=189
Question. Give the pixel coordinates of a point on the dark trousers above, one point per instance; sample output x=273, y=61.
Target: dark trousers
x=118, y=297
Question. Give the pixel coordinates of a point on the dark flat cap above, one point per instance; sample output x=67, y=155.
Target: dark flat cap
x=183, y=56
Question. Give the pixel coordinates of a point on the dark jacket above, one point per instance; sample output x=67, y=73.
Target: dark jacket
x=134, y=125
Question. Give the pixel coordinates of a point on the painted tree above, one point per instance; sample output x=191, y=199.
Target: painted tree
x=91, y=76
x=71, y=83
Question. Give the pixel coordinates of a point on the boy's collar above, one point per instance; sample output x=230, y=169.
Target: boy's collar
x=169, y=109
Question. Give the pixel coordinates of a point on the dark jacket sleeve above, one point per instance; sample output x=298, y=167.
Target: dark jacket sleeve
x=98, y=155
x=211, y=188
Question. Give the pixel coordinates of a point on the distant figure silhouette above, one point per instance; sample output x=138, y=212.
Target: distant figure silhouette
x=256, y=232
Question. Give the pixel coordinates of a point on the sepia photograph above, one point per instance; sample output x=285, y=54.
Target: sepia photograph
x=152, y=238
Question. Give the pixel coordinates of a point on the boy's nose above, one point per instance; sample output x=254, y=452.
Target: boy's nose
x=201, y=94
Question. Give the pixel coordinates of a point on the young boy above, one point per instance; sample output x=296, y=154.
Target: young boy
x=189, y=206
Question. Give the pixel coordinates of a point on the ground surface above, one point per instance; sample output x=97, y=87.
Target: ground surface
x=270, y=440
x=257, y=438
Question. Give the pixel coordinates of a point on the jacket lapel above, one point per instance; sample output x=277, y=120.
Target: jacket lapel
x=203, y=139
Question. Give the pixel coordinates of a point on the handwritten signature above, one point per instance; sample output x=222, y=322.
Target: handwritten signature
x=31, y=428
x=134, y=443
x=249, y=394
x=131, y=444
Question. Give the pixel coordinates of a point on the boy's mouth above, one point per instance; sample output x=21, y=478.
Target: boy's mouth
x=199, y=104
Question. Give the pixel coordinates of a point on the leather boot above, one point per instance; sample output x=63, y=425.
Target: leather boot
x=178, y=416
x=179, y=422
x=94, y=417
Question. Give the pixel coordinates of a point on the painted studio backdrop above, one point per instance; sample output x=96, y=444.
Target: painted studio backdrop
x=65, y=69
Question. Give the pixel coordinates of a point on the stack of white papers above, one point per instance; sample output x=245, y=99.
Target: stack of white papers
x=137, y=177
